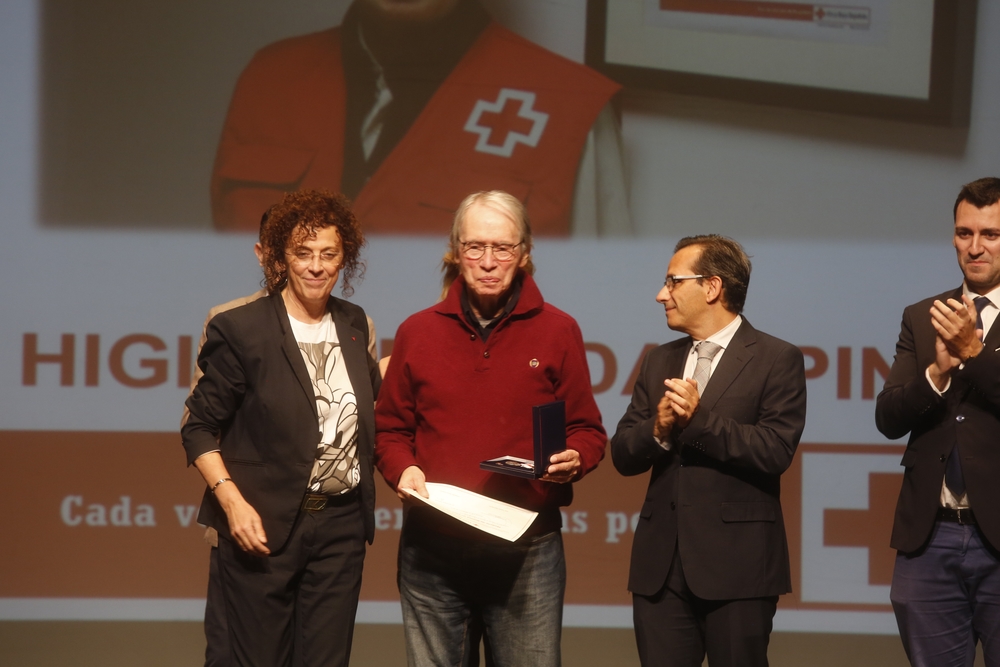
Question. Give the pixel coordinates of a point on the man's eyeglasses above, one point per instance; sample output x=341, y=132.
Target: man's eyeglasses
x=502, y=252
x=671, y=281
x=305, y=257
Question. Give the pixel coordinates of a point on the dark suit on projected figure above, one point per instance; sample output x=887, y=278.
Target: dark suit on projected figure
x=944, y=390
x=710, y=557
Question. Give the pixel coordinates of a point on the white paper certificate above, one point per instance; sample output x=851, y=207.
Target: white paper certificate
x=492, y=516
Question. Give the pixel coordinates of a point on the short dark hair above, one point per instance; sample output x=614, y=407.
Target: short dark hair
x=980, y=193
x=723, y=257
x=306, y=212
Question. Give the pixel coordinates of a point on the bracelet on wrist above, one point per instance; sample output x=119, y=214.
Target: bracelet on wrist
x=220, y=483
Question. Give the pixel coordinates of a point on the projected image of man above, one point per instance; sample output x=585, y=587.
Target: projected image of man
x=406, y=107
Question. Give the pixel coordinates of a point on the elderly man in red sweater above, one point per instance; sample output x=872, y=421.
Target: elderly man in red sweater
x=463, y=379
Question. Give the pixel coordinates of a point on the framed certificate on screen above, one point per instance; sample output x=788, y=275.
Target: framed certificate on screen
x=908, y=60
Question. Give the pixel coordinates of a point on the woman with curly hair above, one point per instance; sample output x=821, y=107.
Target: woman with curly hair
x=281, y=427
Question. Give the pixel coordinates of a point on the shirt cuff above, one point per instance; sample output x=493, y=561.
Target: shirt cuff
x=939, y=392
x=664, y=444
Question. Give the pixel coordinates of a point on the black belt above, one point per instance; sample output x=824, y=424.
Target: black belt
x=963, y=516
x=315, y=502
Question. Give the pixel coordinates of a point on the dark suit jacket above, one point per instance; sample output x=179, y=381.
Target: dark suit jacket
x=715, y=494
x=256, y=404
x=968, y=414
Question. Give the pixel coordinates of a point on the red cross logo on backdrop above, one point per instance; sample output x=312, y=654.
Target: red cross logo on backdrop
x=868, y=528
x=510, y=120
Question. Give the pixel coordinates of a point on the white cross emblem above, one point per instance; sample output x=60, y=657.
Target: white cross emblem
x=506, y=149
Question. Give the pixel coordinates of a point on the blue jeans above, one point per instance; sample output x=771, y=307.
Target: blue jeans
x=515, y=588
x=946, y=597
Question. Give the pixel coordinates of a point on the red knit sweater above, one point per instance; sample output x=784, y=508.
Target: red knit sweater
x=449, y=400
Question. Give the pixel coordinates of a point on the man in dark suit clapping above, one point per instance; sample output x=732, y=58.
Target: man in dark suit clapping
x=944, y=390
x=717, y=415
